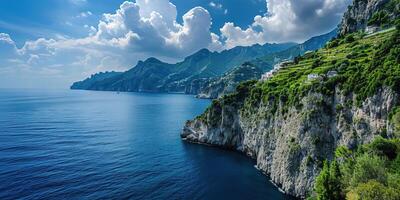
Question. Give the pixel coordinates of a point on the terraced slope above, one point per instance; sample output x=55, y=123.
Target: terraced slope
x=363, y=63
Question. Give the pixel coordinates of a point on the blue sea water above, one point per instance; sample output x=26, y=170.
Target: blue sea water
x=104, y=145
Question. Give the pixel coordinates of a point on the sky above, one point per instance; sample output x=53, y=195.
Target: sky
x=52, y=43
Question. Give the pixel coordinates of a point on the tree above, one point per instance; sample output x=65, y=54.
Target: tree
x=328, y=185
x=322, y=183
x=335, y=181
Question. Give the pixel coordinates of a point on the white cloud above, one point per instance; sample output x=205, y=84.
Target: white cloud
x=235, y=36
x=84, y=14
x=151, y=26
x=215, y=5
x=8, y=48
x=78, y=2
x=288, y=20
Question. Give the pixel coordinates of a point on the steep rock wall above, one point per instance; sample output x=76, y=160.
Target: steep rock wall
x=290, y=147
x=361, y=11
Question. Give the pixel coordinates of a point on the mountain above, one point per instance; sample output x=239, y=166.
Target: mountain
x=93, y=79
x=324, y=126
x=226, y=84
x=145, y=77
x=153, y=75
x=312, y=44
x=205, y=73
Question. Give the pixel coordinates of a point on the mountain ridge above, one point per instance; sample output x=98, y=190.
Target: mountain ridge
x=225, y=84
x=196, y=72
x=177, y=77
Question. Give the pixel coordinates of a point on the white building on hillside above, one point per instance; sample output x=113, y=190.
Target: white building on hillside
x=371, y=29
x=277, y=67
x=332, y=74
x=312, y=77
x=271, y=73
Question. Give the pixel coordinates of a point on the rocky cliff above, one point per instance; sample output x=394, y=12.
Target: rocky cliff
x=363, y=13
x=295, y=120
x=290, y=147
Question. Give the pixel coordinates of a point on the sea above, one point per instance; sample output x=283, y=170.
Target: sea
x=65, y=144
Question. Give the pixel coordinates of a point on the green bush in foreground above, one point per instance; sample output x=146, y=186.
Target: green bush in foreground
x=368, y=173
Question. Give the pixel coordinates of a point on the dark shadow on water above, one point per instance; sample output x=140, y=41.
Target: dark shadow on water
x=233, y=171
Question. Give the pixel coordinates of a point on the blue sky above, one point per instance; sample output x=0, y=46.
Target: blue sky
x=52, y=43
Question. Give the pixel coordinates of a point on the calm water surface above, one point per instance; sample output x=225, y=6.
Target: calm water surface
x=104, y=145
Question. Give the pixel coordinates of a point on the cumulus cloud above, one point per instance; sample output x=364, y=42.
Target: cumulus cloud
x=137, y=27
x=287, y=20
x=151, y=26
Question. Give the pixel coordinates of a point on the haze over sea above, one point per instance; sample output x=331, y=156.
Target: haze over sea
x=104, y=145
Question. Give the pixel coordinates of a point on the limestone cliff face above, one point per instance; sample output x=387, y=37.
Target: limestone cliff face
x=361, y=11
x=291, y=146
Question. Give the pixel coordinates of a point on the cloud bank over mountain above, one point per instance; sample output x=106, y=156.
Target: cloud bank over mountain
x=150, y=28
x=287, y=20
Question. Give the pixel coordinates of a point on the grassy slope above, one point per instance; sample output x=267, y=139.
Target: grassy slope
x=364, y=65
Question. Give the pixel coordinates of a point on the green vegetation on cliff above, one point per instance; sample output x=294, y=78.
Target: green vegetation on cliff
x=370, y=172
x=357, y=64
x=382, y=18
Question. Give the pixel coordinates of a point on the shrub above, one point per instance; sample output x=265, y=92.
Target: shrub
x=395, y=120
x=372, y=190
x=379, y=18
x=385, y=147
x=333, y=43
x=397, y=24
x=365, y=173
x=368, y=167
x=394, y=181
x=395, y=165
x=349, y=38
x=339, y=107
x=316, y=63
